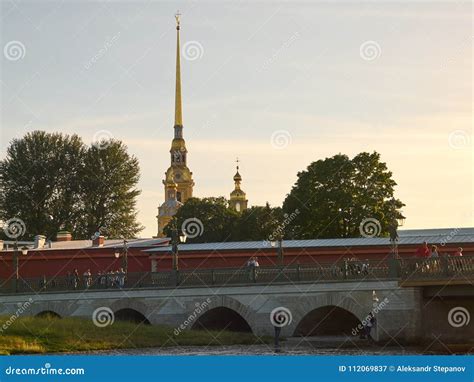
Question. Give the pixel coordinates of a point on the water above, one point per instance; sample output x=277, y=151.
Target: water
x=292, y=346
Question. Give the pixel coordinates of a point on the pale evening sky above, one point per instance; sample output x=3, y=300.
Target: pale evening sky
x=278, y=84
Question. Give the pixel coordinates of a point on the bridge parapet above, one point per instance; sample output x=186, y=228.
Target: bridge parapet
x=409, y=272
x=437, y=271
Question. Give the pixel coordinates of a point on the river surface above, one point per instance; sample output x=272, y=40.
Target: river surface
x=292, y=346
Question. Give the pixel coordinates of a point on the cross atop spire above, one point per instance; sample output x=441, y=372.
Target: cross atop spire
x=177, y=17
x=237, y=161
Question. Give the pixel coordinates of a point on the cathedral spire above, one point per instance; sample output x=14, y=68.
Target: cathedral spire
x=178, y=182
x=178, y=114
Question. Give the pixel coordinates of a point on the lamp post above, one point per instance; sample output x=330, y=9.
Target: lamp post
x=374, y=311
x=279, y=249
x=397, y=221
x=175, y=240
x=16, y=252
x=124, y=253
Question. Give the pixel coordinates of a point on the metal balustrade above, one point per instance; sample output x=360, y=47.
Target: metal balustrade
x=411, y=270
x=437, y=268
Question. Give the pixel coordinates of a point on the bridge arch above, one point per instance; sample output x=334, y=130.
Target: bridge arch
x=222, y=318
x=130, y=309
x=48, y=314
x=330, y=314
x=131, y=315
x=57, y=309
x=328, y=320
x=224, y=312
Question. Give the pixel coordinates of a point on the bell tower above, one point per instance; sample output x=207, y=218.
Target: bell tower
x=238, y=199
x=178, y=174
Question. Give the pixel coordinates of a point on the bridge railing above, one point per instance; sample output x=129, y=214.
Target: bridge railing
x=71, y=283
x=345, y=270
x=339, y=271
x=432, y=268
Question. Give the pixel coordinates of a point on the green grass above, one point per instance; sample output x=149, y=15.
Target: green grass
x=28, y=335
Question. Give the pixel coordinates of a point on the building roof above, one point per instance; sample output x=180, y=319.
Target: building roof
x=87, y=244
x=414, y=236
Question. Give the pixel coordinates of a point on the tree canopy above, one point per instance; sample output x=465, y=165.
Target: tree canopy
x=336, y=195
x=215, y=222
x=108, y=178
x=52, y=181
x=205, y=220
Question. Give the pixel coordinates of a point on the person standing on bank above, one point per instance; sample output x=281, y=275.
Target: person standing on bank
x=371, y=322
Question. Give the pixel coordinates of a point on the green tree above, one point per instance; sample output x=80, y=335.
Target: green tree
x=109, y=178
x=204, y=220
x=210, y=220
x=258, y=223
x=336, y=195
x=39, y=182
x=53, y=181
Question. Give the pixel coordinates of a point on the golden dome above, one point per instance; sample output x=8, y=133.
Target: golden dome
x=237, y=177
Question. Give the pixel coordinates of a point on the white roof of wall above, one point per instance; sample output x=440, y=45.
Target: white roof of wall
x=87, y=244
x=414, y=236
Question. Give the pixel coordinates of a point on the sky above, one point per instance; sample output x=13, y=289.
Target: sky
x=276, y=84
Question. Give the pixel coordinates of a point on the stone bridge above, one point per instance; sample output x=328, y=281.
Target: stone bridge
x=405, y=314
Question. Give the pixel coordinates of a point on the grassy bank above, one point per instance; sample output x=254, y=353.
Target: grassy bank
x=29, y=335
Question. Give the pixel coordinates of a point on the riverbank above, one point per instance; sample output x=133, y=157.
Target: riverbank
x=35, y=335
x=297, y=346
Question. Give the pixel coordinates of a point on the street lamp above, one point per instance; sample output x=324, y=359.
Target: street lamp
x=124, y=253
x=24, y=252
x=175, y=240
x=273, y=243
x=397, y=221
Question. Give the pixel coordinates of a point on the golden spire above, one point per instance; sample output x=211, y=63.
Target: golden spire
x=178, y=116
